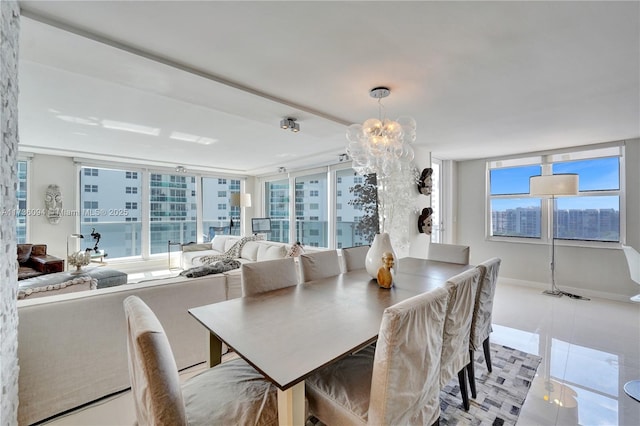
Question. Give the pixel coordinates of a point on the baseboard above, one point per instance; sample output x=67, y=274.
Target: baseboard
x=579, y=291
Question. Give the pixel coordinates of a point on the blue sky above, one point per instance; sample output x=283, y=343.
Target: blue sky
x=595, y=174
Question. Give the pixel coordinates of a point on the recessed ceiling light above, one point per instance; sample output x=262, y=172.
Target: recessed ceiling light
x=188, y=137
x=130, y=127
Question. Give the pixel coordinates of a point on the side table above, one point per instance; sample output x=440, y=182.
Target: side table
x=170, y=246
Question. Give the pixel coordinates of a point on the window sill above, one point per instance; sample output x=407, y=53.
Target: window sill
x=558, y=242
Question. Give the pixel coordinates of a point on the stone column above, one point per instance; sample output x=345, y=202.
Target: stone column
x=9, y=32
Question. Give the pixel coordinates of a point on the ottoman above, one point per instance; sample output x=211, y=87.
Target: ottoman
x=107, y=277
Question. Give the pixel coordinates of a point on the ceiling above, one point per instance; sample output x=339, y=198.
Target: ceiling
x=205, y=84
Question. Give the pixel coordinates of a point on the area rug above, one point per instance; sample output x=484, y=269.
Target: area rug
x=500, y=395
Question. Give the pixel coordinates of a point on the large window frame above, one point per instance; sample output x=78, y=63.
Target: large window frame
x=546, y=162
x=144, y=175
x=327, y=200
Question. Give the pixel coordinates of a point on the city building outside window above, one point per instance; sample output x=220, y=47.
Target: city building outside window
x=218, y=213
x=172, y=217
x=315, y=223
x=277, y=208
x=21, y=195
x=103, y=211
x=351, y=197
x=591, y=217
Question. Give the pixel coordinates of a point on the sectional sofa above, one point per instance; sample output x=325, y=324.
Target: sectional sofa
x=72, y=347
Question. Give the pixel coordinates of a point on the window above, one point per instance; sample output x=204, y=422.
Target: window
x=219, y=216
x=316, y=223
x=513, y=212
x=277, y=208
x=104, y=212
x=352, y=197
x=171, y=214
x=314, y=206
x=21, y=195
x=593, y=215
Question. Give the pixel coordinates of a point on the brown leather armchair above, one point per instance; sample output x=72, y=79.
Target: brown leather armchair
x=33, y=261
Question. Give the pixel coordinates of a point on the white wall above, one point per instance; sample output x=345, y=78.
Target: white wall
x=46, y=170
x=586, y=271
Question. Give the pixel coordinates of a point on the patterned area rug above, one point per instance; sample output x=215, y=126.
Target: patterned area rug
x=501, y=393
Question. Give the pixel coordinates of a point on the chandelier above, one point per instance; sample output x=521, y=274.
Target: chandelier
x=380, y=145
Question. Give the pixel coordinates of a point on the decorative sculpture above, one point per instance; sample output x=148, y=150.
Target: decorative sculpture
x=385, y=273
x=96, y=236
x=425, y=223
x=424, y=182
x=53, y=203
x=79, y=259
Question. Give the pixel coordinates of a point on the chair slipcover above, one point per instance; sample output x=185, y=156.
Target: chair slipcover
x=231, y=393
x=318, y=265
x=395, y=383
x=481, y=322
x=633, y=261
x=258, y=277
x=449, y=253
x=354, y=257
x=419, y=246
x=457, y=325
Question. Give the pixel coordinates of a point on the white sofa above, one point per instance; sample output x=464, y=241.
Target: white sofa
x=252, y=251
x=72, y=347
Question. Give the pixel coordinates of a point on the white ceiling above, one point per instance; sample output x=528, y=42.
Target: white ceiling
x=480, y=78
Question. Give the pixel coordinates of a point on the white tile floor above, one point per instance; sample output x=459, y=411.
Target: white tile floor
x=589, y=349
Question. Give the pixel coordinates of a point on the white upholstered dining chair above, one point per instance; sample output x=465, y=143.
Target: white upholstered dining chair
x=633, y=261
x=481, y=321
x=355, y=257
x=267, y=275
x=451, y=253
x=397, y=382
x=320, y=264
x=457, y=328
x=230, y=393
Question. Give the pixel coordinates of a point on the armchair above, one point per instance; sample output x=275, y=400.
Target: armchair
x=33, y=261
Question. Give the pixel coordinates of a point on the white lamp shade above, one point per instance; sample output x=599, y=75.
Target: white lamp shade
x=240, y=200
x=554, y=185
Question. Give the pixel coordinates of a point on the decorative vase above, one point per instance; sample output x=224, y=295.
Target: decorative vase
x=373, y=261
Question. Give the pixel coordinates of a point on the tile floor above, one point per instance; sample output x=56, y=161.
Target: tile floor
x=589, y=349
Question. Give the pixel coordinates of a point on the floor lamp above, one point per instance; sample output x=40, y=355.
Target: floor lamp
x=554, y=186
x=240, y=200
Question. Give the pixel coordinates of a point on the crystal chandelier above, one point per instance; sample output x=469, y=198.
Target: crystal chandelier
x=380, y=145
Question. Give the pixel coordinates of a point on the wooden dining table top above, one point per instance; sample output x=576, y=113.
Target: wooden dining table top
x=290, y=333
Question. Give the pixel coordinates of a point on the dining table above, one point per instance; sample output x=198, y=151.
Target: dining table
x=290, y=333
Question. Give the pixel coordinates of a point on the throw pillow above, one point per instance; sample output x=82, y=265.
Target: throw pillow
x=295, y=250
x=24, y=253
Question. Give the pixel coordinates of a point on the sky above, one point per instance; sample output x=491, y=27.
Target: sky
x=594, y=174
